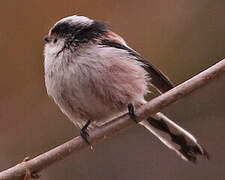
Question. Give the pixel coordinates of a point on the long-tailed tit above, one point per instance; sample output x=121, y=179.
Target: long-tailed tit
x=93, y=76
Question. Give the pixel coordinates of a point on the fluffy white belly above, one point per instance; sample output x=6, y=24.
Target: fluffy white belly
x=96, y=87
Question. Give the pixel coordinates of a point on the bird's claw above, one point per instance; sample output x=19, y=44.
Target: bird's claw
x=131, y=112
x=29, y=175
x=84, y=134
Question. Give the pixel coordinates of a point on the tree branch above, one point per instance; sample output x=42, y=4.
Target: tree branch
x=46, y=159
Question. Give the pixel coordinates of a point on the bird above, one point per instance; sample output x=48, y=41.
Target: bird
x=93, y=75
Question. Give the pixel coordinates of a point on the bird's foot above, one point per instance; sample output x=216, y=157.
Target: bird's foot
x=84, y=134
x=29, y=175
x=131, y=112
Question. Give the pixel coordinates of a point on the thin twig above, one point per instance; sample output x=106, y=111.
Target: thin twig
x=46, y=159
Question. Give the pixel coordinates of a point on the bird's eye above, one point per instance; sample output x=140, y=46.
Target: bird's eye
x=55, y=40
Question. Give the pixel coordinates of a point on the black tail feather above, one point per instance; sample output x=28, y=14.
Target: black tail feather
x=176, y=138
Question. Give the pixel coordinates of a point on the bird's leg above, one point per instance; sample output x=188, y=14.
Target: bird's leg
x=131, y=112
x=84, y=134
x=29, y=175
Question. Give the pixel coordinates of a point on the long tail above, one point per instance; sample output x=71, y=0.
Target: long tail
x=175, y=137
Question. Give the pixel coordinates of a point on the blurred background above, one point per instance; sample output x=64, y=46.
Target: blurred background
x=181, y=37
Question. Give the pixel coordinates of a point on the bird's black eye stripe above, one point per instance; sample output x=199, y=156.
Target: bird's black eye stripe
x=55, y=40
x=61, y=29
x=82, y=32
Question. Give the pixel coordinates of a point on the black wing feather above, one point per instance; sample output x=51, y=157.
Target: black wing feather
x=156, y=77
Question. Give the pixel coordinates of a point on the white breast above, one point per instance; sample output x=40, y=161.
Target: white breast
x=97, y=84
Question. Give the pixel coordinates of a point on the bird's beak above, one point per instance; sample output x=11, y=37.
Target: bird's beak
x=47, y=38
